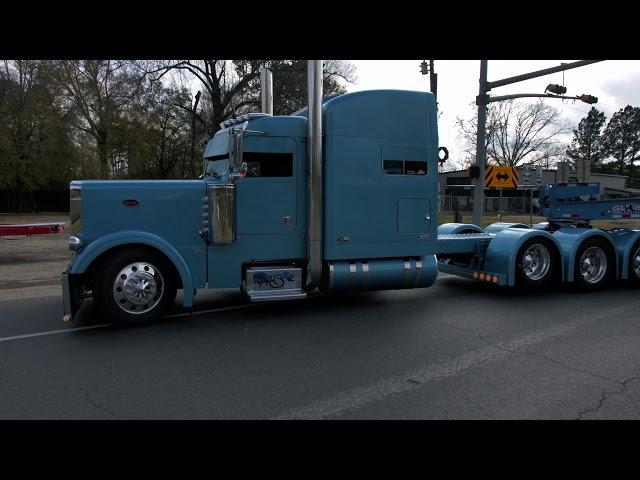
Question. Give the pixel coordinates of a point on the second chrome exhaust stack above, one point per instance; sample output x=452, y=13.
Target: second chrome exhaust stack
x=314, y=146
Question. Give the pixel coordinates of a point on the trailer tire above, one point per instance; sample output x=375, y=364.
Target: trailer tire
x=135, y=287
x=634, y=265
x=536, y=264
x=594, y=267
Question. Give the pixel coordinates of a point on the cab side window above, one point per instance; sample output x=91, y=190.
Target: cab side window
x=268, y=164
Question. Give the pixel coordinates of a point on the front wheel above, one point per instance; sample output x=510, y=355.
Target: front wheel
x=135, y=287
x=536, y=264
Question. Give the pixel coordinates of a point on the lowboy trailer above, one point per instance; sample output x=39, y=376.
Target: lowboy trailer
x=565, y=248
x=340, y=196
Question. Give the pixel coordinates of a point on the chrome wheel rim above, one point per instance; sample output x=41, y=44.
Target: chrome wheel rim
x=138, y=288
x=593, y=264
x=536, y=262
x=636, y=262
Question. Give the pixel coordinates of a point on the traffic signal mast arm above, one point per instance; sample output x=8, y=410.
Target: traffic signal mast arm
x=487, y=99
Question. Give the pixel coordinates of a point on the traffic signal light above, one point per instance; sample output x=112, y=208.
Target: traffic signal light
x=588, y=98
x=557, y=89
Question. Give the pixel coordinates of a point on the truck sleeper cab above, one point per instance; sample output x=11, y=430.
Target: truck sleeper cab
x=245, y=223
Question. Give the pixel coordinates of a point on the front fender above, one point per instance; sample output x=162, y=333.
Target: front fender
x=98, y=247
x=503, y=249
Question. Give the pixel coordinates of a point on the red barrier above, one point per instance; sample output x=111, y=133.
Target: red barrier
x=31, y=229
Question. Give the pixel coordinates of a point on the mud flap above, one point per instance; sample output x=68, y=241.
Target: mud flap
x=71, y=299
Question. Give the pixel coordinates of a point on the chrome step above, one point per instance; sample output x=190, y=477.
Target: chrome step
x=271, y=283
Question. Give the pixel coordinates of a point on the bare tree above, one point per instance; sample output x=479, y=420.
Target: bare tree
x=226, y=83
x=99, y=91
x=518, y=133
x=232, y=86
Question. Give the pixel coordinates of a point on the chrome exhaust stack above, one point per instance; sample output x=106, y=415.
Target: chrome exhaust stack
x=314, y=145
x=266, y=91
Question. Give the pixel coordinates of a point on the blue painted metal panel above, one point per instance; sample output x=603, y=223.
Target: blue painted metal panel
x=624, y=239
x=468, y=272
x=503, y=249
x=127, y=237
x=261, y=204
x=360, y=201
x=570, y=239
x=414, y=215
x=457, y=243
x=168, y=210
x=499, y=226
x=452, y=228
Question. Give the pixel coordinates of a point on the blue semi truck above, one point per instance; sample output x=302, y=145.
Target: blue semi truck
x=341, y=196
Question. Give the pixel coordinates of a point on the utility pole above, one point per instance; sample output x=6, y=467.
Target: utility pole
x=478, y=191
x=429, y=68
x=483, y=99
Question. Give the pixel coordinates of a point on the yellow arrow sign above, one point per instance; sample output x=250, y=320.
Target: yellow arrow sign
x=501, y=177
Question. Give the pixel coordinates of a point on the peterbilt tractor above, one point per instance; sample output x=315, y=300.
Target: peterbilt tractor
x=341, y=196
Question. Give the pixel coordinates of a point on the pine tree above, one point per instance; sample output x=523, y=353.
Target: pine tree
x=588, y=140
x=623, y=138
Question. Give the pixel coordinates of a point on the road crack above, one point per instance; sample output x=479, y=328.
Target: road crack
x=95, y=404
x=604, y=395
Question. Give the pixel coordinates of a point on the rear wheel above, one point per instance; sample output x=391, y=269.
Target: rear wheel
x=594, y=267
x=634, y=265
x=536, y=264
x=135, y=287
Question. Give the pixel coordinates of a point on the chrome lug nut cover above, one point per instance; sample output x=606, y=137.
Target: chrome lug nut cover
x=138, y=287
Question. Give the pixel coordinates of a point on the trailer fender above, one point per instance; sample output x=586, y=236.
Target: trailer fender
x=456, y=228
x=570, y=240
x=503, y=249
x=623, y=240
x=499, y=226
x=98, y=247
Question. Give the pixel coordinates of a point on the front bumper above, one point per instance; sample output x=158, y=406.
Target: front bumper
x=71, y=299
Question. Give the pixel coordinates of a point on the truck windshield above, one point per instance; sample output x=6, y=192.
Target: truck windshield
x=217, y=165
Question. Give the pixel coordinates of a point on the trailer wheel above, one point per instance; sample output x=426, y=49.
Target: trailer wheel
x=536, y=264
x=634, y=265
x=135, y=287
x=594, y=266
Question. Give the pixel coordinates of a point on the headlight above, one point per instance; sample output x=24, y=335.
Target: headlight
x=75, y=244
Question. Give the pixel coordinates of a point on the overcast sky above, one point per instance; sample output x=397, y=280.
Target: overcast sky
x=616, y=83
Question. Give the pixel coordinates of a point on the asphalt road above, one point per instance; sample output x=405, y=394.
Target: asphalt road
x=457, y=350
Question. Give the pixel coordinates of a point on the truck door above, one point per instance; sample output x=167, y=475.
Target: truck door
x=266, y=197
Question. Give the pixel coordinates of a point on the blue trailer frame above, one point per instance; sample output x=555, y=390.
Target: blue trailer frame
x=490, y=255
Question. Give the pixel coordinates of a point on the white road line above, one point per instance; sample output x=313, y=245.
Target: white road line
x=212, y=310
x=103, y=325
x=360, y=397
x=54, y=332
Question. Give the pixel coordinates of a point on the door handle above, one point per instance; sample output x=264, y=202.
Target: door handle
x=286, y=222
